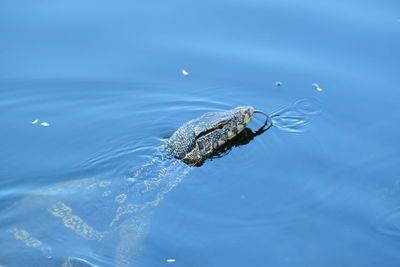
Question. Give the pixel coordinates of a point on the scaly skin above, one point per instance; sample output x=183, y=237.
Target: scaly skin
x=198, y=139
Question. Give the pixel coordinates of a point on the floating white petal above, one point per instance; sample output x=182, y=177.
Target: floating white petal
x=35, y=121
x=317, y=87
x=45, y=124
x=185, y=72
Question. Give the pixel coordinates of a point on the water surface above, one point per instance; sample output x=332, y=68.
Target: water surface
x=107, y=77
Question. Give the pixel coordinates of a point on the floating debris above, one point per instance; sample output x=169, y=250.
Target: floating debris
x=278, y=84
x=46, y=124
x=171, y=260
x=185, y=72
x=317, y=87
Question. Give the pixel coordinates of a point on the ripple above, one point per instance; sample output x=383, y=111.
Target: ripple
x=295, y=117
x=308, y=106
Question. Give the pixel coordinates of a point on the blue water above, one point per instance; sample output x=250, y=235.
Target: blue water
x=107, y=78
